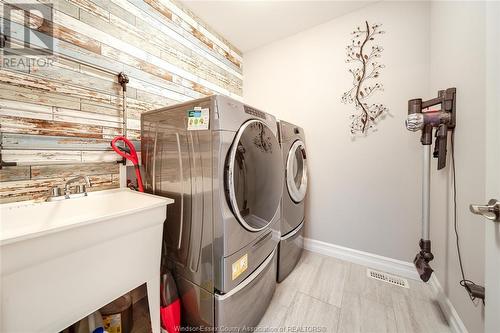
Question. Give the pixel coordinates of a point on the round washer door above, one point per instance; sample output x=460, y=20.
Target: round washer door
x=254, y=175
x=296, y=171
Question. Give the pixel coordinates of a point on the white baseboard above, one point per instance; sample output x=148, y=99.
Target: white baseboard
x=451, y=315
x=388, y=265
x=392, y=266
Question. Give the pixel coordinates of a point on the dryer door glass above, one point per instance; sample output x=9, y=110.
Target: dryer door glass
x=296, y=171
x=254, y=175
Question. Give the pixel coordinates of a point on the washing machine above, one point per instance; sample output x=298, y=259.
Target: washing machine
x=220, y=160
x=293, y=148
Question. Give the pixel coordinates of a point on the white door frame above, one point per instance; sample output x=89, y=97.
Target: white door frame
x=492, y=230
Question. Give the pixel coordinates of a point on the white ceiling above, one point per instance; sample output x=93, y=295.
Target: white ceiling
x=250, y=24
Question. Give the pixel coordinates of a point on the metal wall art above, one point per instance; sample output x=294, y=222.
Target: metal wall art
x=364, y=53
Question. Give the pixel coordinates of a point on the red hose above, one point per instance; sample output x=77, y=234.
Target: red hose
x=132, y=157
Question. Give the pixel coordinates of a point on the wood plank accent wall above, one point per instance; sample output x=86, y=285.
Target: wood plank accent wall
x=57, y=121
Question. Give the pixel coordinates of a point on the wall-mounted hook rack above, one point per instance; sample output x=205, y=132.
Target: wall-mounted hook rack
x=123, y=80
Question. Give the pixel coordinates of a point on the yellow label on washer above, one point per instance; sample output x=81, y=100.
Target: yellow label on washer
x=240, y=266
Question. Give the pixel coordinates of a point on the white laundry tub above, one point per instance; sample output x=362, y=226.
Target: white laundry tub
x=61, y=261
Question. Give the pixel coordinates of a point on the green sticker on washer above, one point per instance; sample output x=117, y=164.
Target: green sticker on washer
x=198, y=119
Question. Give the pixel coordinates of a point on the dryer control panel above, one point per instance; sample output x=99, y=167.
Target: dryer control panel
x=254, y=112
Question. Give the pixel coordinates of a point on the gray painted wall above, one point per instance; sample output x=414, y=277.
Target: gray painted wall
x=363, y=194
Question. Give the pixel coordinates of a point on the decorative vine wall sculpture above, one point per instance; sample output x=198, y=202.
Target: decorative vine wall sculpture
x=367, y=69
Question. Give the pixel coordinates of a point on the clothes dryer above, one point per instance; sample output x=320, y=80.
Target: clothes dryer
x=220, y=160
x=292, y=140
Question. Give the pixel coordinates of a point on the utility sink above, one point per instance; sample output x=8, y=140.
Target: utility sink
x=62, y=260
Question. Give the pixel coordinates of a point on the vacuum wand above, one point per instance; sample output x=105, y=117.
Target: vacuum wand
x=424, y=120
x=425, y=255
x=426, y=193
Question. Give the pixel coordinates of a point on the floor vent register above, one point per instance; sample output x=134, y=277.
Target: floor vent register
x=392, y=279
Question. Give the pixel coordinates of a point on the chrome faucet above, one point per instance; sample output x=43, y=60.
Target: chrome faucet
x=57, y=193
x=81, y=190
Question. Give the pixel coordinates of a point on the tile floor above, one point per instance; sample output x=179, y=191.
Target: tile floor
x=325, y=294
x=330, y=295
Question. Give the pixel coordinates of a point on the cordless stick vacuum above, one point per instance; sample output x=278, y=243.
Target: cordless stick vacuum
x=419, y=118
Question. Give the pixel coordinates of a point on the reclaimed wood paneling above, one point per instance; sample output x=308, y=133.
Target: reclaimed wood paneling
x=22, y=125
x=32, y=156
x=38, y=189
x=72, y=170
x=15, y=173
x=10, y=141
x=57, y=120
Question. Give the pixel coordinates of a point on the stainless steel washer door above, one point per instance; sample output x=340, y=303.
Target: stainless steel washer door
x=254, y=176
x=296, y=171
